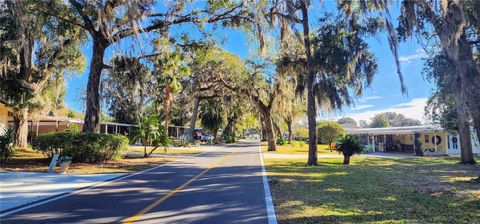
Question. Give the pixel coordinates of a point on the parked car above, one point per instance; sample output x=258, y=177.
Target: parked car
x=206, y=138
x=255, y=136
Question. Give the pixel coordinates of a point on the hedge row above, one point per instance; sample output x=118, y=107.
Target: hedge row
x=82, y=147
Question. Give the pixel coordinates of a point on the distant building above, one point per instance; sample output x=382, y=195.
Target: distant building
x=4, y=115
x=41, y=124
x=417, y=140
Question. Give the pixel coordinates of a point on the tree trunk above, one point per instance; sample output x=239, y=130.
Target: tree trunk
x=463, y=129
x=346, y=159
x=263, y=132
x=196, y=102
x=20, y=127
x=289, y=126
x=145, y=151
x=467, y=70
x=311, y=109
x=229, y=129
x=278, y=130
x=166, y=105
x=92, y=112
x=269, y=131
x=467, y=95
x=215, y=133
x=58, y=88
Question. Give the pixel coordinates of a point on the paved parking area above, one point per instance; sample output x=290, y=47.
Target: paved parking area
x=20, y=188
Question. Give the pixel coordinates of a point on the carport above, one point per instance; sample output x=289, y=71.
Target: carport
x=417, y=140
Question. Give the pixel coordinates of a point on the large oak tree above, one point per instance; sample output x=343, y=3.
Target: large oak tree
x=34, y=46
x=112, y=21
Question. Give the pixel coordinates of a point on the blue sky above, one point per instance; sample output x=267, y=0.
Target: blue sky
x=383, y=95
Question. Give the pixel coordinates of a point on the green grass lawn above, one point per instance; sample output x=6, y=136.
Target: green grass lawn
x=297, y=148
x=375, y=190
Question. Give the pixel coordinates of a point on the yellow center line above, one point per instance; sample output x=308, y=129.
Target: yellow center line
x=174, y=191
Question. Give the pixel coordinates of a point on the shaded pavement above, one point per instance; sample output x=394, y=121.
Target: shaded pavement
x=20, y=188
x=221, y=186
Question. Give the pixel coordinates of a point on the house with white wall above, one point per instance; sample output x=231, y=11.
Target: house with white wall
x=424, y=140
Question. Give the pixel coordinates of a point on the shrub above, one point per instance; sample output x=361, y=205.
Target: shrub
x=184, y=141
x=151, y=133
x=6, y=145
x=82, y=147
x=53, y=142
x=329, y=132
x=228, y=138
x=73, y=128
x=349, y=145
x=281, y=141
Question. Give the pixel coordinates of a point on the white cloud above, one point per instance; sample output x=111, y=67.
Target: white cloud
x=361, y=107
x=367, y=98
x=413, y=109
x=419, y=54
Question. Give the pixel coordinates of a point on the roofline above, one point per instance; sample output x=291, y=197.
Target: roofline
x=394, y=130
x=45, y=118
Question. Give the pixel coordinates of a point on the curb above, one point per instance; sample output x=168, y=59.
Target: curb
x=272, y=217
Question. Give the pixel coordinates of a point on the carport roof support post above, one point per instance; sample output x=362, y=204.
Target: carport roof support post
x=417, y=145
x=373, y=143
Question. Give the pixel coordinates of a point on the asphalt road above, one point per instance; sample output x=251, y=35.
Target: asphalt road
x=222, y=186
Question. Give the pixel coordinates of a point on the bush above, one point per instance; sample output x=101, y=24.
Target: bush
x=184, y=141
x=82, y=147
x=6, y=145
x=329, y=132
x=73, y=128
x=228, y=138
x=281, y=141
x=53, y=142
x=349, y=145
x=151, y=133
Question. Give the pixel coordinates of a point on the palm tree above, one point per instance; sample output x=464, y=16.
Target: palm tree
x=169, y=70
x=349, y=145
x=212, y=116
x=150, y=133
x=334, y=64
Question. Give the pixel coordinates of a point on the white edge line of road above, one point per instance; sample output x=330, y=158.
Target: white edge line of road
x=272, y=217
x=66, y=194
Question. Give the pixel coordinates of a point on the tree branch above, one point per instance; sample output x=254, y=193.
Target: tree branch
x=105, y=66
x=64, y=19
x=86, y=21
x=188, y=18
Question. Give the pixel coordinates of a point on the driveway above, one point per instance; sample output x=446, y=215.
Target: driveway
x=225, y=185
